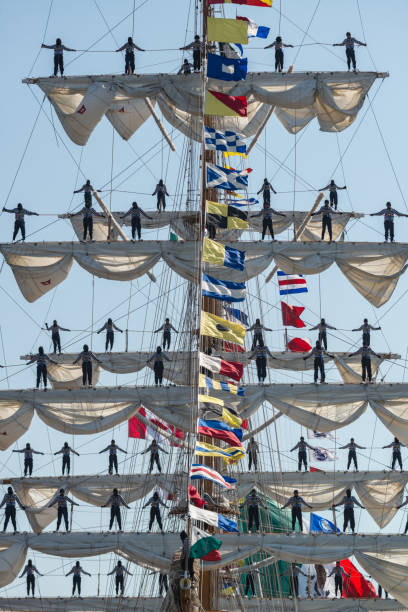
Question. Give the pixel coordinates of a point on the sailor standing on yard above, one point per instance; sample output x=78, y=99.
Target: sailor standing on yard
x=19, y=223
x=323, y=327
x=119, y=571
x=87, y=221
x=87, y=188
x=62, y=500
x=197, y=47
x=55, y=336
x=158, y=366
x=59, y=49
x=129, y=47
x=9, y=500
x=396, y=452
x=136, y=211
x=267, y=224
x=348, y=502
x=278, y=44
x=66, y=451
x=318, y=352
x=166, y=327
x=266, y=189
x=154, y=455
x=113, y=455
x=352, y=455
x=365, y=352
x=41, y=358
x=257, y=328
x=155, y=502
x=28, y=458
x=302, y=456
x=296, y=503
x=332, y=187
x=388, y=212
x=326, y=211
x=261, y=352
x=338, y=572
x=110, y=335
x=161, y=192
x=86, y=357
x=29, y=570
x=293, y=572
x=115, y=501
x=349, y=43
x=366, y=328
x=253, y=501
x=76, y=578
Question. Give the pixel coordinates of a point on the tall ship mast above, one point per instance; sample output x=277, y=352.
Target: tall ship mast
x=204, y=513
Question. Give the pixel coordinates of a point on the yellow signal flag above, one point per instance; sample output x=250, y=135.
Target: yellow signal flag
x=227, y=154
x=217, y=327
x=228, y=30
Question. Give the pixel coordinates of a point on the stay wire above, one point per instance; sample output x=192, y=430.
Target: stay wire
x=43, y=38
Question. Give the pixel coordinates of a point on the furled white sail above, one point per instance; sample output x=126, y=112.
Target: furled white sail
x=372, y=268
x=317, y=605
x=185, y=224
x=384, y=557
x=88, y=411
x=86, y=604
x=36, y=493
x=80, y=102
x=380, y=492
x=181, y=368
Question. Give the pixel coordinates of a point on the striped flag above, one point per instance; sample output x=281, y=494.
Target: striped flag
x=264, y=3
x=220, y=385
x=291, y=283
x=227, y=291
x=199, y=471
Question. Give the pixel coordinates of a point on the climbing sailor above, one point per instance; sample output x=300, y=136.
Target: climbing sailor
x=166, y=327
x=66, y=451
x=135, y=211
x=278, y=44
x=115, y=501
x=129, y=47
x=110, y=336
x=28, y=458
x=252, y=453
x=41, y=358
x=62, y=500
x=59, y=49
x=186, y=67
x=19, y=223
x=155, y=502
x=113, y=449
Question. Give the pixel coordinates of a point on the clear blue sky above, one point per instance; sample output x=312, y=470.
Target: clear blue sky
x=48, y=176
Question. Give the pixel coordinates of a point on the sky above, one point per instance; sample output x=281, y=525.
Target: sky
x=41, y=168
